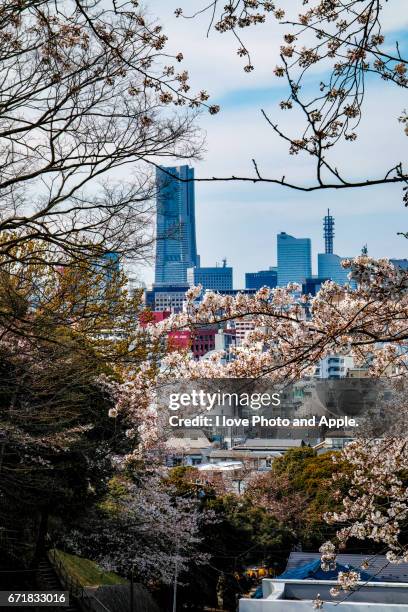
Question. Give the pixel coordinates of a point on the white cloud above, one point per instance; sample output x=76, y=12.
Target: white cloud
x=212, y=61
x=240, y=221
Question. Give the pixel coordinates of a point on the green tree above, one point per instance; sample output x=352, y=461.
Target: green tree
x=298, y=491
x=60, y=330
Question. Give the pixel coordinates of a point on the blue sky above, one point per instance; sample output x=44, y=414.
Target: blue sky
x=240, y=221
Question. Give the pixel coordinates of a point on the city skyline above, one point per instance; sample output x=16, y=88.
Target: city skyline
x=177, y=261
x=240, y=253
x=244, y=258
x=238, y=221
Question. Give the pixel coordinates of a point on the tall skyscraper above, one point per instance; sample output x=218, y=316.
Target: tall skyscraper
x=108, y=267
x=294, y=259
x=328, y=263
x=176, y=248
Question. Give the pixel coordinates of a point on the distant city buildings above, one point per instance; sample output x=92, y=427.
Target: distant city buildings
x=225, y=340
x=179, y=340
x=177, y=265
x=176, y=248
x=334, y=366
x=312, y=285
x=400, y=263
x=109, y=264
x=170, y=297
x=263, y=278
x=149, y=316
x=200, y=341
x=218, y=278
x=329, y=267
x=242, y=328
x=328, y=232
x=234, y=292
x=203, y=341
x=107, y=267
x=294, y=259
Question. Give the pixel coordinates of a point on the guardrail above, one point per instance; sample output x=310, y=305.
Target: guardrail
x=75, y=589
x=86, y=600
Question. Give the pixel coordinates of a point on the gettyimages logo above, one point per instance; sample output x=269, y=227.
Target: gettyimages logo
x=307, y=409
x=208, y=401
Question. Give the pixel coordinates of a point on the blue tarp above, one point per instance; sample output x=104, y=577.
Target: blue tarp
x=313, y=571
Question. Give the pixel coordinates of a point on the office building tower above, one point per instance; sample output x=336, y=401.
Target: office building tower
x=176, y=248
x=294, y=259
x=263, y=278
x=218, y=278
x=109, y=264
x=108, y=267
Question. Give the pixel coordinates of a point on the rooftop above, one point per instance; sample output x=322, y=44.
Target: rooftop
x=269, y=443
x=378, y=565
x=222, y=466
x=233, y=453
x=188, y=440
x=298, y=596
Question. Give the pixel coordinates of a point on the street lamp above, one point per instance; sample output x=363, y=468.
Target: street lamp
x=176, y=572
x=3, y=440
x=132, y=592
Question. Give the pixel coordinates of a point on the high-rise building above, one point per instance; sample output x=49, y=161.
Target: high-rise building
x=218, y=278
x=294, y=259
x=176, y=248
x=108, y=267
x=329, y=264
x=263, y=278
x=109, y=264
